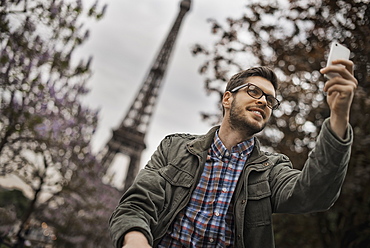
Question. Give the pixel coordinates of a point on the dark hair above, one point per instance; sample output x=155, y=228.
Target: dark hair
x=240, y=78
x=262, y=71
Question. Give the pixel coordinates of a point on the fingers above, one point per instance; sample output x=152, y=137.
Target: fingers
x=347, y=63
x=339, y=69
x=340, y=92
x=346, y=80
x=340, y=84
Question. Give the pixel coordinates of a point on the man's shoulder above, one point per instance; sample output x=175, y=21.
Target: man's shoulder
x=186, y=136
x=275, y=156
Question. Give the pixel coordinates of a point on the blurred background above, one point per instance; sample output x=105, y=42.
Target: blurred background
x=71, y=69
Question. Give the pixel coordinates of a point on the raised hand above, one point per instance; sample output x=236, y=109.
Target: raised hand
x=340, y=91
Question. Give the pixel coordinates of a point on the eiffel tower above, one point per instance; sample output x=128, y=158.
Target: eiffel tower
x=129, y=137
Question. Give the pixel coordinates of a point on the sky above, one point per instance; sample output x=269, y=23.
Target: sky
x=125, y=43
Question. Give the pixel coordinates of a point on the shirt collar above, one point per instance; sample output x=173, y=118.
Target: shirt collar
x=242, y=148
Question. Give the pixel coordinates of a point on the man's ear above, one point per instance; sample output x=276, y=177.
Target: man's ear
x=227, y=99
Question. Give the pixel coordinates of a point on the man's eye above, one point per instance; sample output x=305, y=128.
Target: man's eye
x=254, y=91
x=270, y=100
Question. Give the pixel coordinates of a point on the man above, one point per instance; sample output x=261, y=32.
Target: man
x=220, y=189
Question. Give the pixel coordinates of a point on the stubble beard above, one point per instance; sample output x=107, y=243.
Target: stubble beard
x=241, y=124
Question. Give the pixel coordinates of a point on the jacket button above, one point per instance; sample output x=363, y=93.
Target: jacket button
x=244, y=201
x=266, y=164
x=239, y=236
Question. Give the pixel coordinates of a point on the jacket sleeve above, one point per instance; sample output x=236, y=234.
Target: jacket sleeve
x=139, y=206
x=318, y=185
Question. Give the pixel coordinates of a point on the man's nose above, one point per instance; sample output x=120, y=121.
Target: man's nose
x=262, y=101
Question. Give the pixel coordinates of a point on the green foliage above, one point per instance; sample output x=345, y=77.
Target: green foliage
x=293, y=37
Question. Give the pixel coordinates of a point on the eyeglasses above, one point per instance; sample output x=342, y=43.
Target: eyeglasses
x=257, y=93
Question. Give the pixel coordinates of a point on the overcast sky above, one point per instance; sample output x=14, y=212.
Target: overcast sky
x=124, y=44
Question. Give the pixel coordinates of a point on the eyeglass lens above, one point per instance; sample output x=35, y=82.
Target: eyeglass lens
x=257, y=93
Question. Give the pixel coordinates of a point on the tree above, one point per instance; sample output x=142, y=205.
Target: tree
x=12, y=204
x=45, y=131
x=91, y=203
x=292, y=37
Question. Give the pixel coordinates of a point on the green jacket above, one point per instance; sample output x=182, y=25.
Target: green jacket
x=268, y=184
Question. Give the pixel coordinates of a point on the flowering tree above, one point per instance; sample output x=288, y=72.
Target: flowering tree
x=91, y=203
x=45, y=132
x=293, y=37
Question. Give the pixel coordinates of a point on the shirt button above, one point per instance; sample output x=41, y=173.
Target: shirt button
x=217, y=213
x=211, y=240
x=224, y=190
x=230, y=166
x=227, y=154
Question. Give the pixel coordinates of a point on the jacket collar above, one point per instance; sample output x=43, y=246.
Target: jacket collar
x=203, y=142
x=257, y=155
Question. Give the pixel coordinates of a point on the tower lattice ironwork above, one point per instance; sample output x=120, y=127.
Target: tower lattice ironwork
x=129, y=138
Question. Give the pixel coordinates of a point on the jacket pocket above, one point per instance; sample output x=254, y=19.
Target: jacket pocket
x=177, y=187
x=176, y=176
x=258, y=209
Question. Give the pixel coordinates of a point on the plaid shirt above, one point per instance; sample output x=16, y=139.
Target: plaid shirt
x=207, y=220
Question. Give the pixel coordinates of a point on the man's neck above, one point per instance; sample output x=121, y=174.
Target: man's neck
x=230, y=137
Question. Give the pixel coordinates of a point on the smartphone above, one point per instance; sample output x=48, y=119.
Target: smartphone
x=337, y=51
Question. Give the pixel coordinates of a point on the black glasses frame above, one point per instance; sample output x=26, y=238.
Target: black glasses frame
x=269, y=98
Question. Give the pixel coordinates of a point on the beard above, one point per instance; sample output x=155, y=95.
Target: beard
x=239, y=122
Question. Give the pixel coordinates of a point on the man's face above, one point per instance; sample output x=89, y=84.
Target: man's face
x=248, y=114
